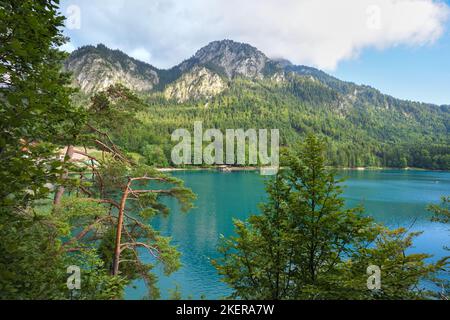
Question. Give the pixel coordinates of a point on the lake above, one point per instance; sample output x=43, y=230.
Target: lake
x=393, y=197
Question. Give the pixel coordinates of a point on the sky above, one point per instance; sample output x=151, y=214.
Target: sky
x=401, y=47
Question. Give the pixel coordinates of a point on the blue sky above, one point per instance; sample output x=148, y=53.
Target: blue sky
x=401, y=47
x=413, y=73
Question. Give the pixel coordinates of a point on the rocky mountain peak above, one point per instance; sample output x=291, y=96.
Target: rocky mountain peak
x=95, y=68
x=230, y=59
x=204, y=75
x=198, y=83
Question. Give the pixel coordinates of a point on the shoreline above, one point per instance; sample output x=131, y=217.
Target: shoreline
x=253, y=168
x=217, y=168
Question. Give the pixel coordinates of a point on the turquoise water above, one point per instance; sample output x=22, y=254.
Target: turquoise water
x=393, y=197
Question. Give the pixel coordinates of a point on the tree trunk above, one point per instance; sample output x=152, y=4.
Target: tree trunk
x=60, y=191
x=119, y=229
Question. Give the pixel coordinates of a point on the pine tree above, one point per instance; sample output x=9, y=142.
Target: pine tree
x=441, y=214
x=306, y=245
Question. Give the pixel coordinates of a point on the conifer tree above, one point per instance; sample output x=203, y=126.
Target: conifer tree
x=307, y=245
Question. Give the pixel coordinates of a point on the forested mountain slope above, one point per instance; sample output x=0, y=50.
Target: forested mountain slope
x=233, y=85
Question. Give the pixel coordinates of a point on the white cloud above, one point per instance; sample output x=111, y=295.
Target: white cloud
x=68, y=47
x=141, y=54
x=315, y=32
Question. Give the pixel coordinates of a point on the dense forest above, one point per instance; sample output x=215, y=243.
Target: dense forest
x=401, y=135
x=362, y=126
x=79, y=187
x=58, y=213
x=306, y=244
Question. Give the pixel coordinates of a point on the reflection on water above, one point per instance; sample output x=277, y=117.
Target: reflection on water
x=393, y=197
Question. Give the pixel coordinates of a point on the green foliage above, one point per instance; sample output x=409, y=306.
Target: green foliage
x=34, y=258
x=36, y=115
x=402, y=275
x=40, y=240
x=441, y=214
x=34, y=103
x=305, y=245
x=92, y=221
x=154, y=155
x=361, y=126
x=96, y=282
x=175, y=294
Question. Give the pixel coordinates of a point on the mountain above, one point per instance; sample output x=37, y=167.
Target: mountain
x=230, y=59
x=234, y=85
x=205, y=74
x=196, y=83
x=96, y=68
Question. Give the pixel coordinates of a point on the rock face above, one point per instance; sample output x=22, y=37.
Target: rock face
x=204, y=75
x=96, y=68
x=195, y=84
x=230, y=58
x=207, y=74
